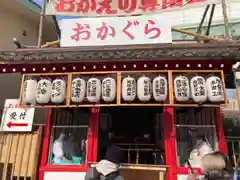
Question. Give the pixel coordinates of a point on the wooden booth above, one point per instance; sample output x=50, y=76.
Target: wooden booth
x=151, y=100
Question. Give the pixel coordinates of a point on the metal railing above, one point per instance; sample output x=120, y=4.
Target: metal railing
x=233, y=145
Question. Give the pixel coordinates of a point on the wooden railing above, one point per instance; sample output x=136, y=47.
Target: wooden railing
x=136, y=149
x=142, y=172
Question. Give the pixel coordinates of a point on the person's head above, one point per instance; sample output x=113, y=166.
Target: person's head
x=114, y=154
x=214, y=165
x=214, y=161
x=72, y=146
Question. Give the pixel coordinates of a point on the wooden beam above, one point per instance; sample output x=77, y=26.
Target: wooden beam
x=203, y=37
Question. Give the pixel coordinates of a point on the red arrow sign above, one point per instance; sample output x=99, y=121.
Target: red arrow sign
x=11, y=124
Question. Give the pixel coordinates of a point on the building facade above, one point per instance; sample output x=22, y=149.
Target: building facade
x=20, y=22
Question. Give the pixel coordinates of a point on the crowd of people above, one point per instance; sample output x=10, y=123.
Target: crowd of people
x=214, y=164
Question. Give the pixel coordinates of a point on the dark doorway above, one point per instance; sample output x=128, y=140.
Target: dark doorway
x=138, y=130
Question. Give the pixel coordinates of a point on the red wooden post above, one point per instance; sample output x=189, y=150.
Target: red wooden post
x=220, y=132
x=95, y=122
x=46, y=140
x=170, y=143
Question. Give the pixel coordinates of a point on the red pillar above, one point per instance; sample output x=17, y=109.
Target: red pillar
x=93, y=134
x=46, y=139
x=220, y=132
x=170, y=143
x=95, y=121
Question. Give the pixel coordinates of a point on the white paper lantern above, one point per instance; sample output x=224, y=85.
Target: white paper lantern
x=214, y=89
x=198, y=89
x=181, y=88
x=78, y=90
x=129, y=89
x=108, y=89
x=58, y=91
x=93, y=90
x=29, y=91
x=44, y=91
x=160, y=88
x=144, y=88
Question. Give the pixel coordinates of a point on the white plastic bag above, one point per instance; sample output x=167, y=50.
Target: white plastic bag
x=197, y=154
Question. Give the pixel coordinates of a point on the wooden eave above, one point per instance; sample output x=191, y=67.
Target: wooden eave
x=156, y=52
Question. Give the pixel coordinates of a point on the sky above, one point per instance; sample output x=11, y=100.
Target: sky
x=229, y=94
x=39, y=2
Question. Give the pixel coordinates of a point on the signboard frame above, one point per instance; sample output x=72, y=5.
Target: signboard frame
x=19, y=124
x=110, y=31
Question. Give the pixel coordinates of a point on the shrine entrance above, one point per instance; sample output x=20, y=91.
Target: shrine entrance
x=139, y=132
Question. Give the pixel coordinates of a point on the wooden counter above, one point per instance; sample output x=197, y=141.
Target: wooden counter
x=143, y=172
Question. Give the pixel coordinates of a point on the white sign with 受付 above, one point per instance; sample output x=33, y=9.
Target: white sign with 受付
x=15, y=119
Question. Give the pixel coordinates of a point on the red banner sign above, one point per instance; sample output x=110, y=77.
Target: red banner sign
x=118, y=7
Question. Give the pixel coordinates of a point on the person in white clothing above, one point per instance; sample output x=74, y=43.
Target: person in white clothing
x=58, y=149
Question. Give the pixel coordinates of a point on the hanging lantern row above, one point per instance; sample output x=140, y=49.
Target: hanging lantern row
x=107, y=88
x=144, y=88
x=44, y=91
x=94, y=89
x=199, y=89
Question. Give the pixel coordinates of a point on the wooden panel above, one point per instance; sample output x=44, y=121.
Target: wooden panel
x=19, y=154
x=119, y=87
x=224, y=88
x=170, y=88
x=130, y=174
